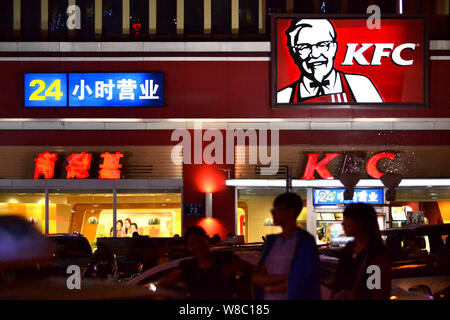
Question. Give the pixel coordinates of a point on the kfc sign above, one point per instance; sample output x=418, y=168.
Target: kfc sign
x=341, y=61
x=313, y=165
x=379, y=52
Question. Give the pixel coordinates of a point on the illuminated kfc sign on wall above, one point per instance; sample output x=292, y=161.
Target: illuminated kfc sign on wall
x=342, y=61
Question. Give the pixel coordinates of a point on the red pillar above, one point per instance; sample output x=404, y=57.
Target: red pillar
x=201, y=178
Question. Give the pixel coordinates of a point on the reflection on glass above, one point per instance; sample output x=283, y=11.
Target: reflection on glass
x=57, y=19
x=330, y=6
x=248, y=16
x=139, y=18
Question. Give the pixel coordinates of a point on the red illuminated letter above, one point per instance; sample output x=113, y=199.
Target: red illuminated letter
x=371, y=166
x=110, y=166
x=320, y=167
x=45, y=165
x=79, y=164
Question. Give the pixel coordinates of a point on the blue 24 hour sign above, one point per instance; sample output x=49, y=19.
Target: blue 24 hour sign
x=336, y=196
x=94, y=89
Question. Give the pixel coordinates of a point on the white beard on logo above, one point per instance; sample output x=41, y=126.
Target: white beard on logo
x=318, y=72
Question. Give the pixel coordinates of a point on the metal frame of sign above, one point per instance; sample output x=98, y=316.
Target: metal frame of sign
x=90, y=107
x=355, y=105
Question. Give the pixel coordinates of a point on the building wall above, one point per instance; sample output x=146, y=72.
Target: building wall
x=202, y=89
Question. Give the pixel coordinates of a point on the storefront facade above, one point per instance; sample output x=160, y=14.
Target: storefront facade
x=419, y=193
x=223, y=85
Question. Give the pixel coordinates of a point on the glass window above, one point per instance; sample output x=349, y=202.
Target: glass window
x=6, y=19
x=57, y=19
x=416, y=6
x=416, y=246
x=193, y=16
x=139, y=18
x=112, y=18
x=438, y=19
x=274, y=6
x=220, y=17
x=87, y=30
x=303, y=6
x=29, y=205
x=330, y=6
x=148, y=214
x=358, y=6
x=70, y=247
x=166, y=21
x=248, y=16
x=254, y=218
x=387, y=6
x=30, y=19
x=81, y=212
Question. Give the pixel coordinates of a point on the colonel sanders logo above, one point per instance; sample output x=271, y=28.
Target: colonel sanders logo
x=313, y=46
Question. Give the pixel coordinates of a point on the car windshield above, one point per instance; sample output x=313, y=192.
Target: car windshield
x=155, y=278
x=418, y=244
x=70, y=247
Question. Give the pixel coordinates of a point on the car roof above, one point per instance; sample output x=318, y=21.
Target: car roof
x=64, y=235
x=176, y=262
x=236, y=247
x=165, y=266
x=419, y=228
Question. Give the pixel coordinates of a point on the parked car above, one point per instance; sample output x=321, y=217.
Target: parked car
x=150, y=278
x=328, y=267
x=68, y=249
x=249, y=253
x=25, y=250
x=420, y=255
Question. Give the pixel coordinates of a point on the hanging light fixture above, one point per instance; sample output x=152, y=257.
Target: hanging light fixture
x=349, y=180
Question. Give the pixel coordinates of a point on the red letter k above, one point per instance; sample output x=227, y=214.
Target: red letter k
x=320, y=167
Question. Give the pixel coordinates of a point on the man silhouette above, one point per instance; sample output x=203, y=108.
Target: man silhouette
x=312, y=44
x=289, y=264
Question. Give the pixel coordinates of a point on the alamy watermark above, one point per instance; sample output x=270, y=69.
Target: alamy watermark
x=74, y=280
x=73, y=17
x=374, y=279
x=218, y=142
x=374, y=20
